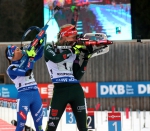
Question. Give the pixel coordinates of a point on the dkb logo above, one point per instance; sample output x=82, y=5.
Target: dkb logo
x=112, y=89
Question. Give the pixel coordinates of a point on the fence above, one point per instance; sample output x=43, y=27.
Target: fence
x=129, y=120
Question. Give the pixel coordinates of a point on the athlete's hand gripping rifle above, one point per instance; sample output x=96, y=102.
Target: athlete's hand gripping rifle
x=100, y=44
x=36, y=42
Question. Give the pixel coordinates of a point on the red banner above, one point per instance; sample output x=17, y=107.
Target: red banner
x=114, y=116
x=90, y=111
x=68, y=108
x=46, y=90
x=89, y=89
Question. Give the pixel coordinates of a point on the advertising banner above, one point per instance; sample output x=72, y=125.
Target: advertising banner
x=8, y=91
x=89, y=89
x=1, y=102
x=46, y=90
x=123, y=89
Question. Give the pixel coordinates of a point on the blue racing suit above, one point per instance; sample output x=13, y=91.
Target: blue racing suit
x=28, y=98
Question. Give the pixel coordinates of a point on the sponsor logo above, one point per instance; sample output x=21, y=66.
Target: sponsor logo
x=51, y=124
x=21, y=124
x=64, y=47
x=23, y=116
x=64, y=56
x=38, y=111
x=52, y=52
x=112, y=89
x=54, y=118
x=5, y=92
x=72, y=79
x=62, y=80
x=40, y=117
x=54, y=112
x=25, y=108
x=64, y=74
x=144, y=88
x=114, y=116
x=79, y=108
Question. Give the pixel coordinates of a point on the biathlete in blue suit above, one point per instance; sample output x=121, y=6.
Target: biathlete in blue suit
x=28, y=95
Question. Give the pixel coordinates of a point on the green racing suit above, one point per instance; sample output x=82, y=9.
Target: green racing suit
x=65, y=73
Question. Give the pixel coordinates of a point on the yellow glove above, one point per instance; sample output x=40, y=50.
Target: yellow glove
x=41, y=41
x=80, y=46
x=77, y=49
x=31, y=53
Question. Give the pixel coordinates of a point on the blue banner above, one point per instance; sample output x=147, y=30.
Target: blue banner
x=70, y=118
x=44, y=112
x=8, y=91
x=123, y=89
x=14, y=105
x=114, y=125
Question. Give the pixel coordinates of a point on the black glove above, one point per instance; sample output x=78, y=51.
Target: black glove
x=88, y=52
x=87, y=56
x=89, y=48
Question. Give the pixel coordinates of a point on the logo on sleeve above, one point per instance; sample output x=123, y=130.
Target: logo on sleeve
x=65, y=56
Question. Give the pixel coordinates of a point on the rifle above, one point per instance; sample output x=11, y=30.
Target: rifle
x=100, y=46
x=35, y=43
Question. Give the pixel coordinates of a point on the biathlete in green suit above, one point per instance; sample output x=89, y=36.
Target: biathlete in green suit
x=65, y=73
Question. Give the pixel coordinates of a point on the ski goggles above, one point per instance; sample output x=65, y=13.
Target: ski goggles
x=68, y=31
x=10, y=52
